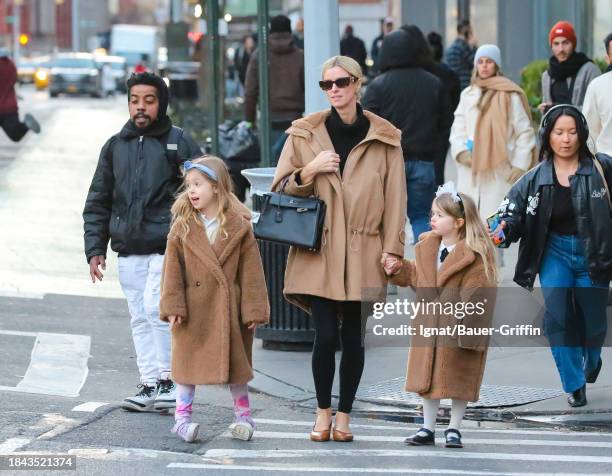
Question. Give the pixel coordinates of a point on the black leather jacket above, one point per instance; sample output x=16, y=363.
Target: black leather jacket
x=528, y=206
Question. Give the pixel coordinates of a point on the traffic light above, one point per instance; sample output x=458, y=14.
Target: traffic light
x=24, y=39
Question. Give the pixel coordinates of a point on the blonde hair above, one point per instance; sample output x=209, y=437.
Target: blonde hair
x=183, y=212
x=347, y=64
x=474, y=77
x=473, y=230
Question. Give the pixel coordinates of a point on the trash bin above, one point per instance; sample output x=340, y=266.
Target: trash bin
x=290, y=328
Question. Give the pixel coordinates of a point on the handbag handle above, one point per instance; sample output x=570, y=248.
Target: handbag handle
x=278, y=216
x=603, y=177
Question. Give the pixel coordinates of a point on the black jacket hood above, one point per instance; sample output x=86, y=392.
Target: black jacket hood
x=398, y=52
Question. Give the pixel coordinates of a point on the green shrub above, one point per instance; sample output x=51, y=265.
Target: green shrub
x=531, y=83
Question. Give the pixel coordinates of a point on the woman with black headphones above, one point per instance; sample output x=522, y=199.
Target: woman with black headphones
x=561, y=212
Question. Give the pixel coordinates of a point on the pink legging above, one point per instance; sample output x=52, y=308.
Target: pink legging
x=184, y=401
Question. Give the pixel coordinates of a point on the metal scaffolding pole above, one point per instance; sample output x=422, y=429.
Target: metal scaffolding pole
x=264, y=95
x=75, y=25
x=212, y=19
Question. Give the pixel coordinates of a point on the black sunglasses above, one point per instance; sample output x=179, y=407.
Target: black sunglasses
x=340, y=82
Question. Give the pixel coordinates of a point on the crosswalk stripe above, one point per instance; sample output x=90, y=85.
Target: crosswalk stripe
x=353, y=470
x=58, y=365
x=406, y=428
x=13, y=444
x=406, y=453
x=472, y=441
x=89, y=406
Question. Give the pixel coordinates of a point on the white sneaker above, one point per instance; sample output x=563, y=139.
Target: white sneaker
x=186, y=430
x=242, y=429
x=142, y=401
x=166, y=395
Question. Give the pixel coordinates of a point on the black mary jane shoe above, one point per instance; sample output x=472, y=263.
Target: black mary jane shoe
x=453, y=438
x=423, y=437
x=591, y=377
x=578, y=397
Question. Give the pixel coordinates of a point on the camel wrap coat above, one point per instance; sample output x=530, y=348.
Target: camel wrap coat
x=365, y=212
x=217, y=289
x=447, y=366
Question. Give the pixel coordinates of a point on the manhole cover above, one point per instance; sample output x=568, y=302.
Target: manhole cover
x=392, y=391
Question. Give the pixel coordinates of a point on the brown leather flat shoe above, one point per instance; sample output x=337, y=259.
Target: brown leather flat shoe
x=320, y=435
x=342, y=436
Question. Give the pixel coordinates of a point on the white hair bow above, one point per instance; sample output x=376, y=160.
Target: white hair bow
x=448, y=187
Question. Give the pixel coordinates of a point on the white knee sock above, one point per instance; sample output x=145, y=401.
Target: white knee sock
x=430, y=412
x=457, y=412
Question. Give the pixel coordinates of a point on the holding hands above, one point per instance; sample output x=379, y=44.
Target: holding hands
x=392, y=264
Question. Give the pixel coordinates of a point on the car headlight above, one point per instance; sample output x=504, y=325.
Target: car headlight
x=41, y=75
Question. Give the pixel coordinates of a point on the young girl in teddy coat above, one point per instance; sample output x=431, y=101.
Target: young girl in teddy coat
x=213, y=293
x=454, y=264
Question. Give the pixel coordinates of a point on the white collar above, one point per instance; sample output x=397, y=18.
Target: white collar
x=206, y=221
x=448, y=247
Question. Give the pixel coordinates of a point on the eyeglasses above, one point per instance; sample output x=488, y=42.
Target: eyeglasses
x=340, y=82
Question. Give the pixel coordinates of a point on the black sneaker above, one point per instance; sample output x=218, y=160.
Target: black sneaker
x=578, y=397
x=423, y=437
x=591, y=377
x=453, y=438
x=142, y=401
x=166, y=395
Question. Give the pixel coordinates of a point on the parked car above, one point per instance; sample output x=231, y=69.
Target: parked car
x=74, y=73
x=25, y=70
x=27, y=66
x=119, y=70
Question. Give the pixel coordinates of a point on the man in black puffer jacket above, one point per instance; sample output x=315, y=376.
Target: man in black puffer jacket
x=129, y=204
x=415, y=102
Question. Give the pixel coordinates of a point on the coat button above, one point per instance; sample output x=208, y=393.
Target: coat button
x=197, y=283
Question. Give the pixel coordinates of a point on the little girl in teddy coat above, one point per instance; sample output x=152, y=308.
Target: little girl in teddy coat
x=213, y=293
x=454, y=265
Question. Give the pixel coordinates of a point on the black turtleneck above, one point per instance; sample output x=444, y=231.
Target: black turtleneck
x=345, y=137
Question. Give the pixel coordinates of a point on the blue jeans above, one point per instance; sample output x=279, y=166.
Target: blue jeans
x=575, y=322
x=277, y=142
x=421, y=185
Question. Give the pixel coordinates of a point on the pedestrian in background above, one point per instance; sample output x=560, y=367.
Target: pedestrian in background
x=492, y=139
x=414, y=101
x=460, y=54
x=129, y=203
x=597, y=106
x=213, y=294
x=452, y=88
x=455, y=263
x=561, y=213
x=9, y=110
x=569, y=72
x=352, y=160
x=286, y=83
x=386, y=27
x=242, y=58
x=354, y=47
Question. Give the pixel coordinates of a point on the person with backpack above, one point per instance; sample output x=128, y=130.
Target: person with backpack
x=129, y=203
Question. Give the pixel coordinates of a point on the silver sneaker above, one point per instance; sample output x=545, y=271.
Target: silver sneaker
x=186, y=430
x=242, y=429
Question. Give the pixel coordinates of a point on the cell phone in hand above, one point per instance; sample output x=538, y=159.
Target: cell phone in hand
x=498, y=237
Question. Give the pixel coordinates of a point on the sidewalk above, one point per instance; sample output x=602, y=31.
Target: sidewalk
x=519, y=382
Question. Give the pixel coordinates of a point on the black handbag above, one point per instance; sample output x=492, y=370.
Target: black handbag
x=290, y=220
